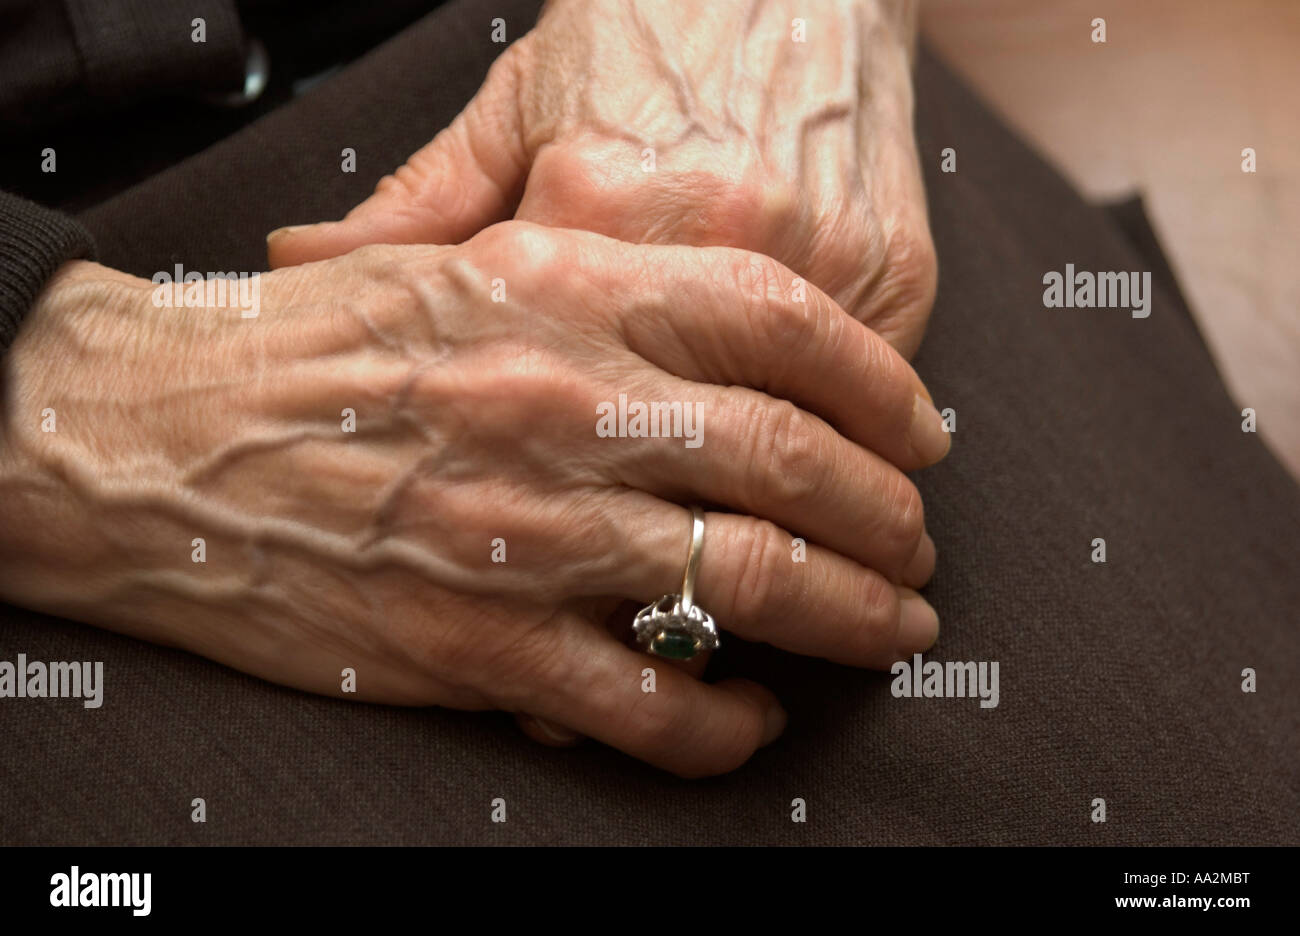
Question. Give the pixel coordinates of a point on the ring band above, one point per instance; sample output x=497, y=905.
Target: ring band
x=693, y=559
x=676, y=627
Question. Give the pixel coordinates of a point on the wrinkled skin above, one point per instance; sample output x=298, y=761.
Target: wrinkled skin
x=799, y=150
x=475, y=420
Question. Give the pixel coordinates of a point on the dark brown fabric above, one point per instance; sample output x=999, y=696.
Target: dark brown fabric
x=142, y=47
x=128, y=94
x=65, y=57
x=39, y=64
x=1119, y=680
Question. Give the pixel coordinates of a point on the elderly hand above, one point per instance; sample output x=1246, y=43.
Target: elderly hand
x=783, y=127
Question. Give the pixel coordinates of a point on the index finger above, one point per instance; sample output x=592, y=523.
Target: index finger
x=728, y=316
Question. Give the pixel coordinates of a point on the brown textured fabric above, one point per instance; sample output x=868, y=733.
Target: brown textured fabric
x=60, y=58
x=1119, y=680
x=142, y=47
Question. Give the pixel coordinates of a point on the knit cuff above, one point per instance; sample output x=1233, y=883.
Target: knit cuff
x=34, y=242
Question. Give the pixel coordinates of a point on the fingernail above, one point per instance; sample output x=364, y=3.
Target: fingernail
x=918, y=628
x=280, y=232
x=929, y=439
x=921, y=566
x=773, y=725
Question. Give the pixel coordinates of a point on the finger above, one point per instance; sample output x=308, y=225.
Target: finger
x=619, y=626
x=769, y=459
x=470, y=176
x=762, y=585
x=593, y=685
x=738, y=318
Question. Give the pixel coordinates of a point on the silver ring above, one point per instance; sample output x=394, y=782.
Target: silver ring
x=676, y=627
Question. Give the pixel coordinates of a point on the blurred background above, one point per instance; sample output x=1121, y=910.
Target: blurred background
x=1162, y=110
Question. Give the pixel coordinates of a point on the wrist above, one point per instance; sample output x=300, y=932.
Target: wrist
x=73, y=326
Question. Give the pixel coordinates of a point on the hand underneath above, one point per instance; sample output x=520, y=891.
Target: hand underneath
x=688, y=122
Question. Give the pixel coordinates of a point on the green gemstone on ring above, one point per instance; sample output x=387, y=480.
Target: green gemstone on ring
x=675, y=645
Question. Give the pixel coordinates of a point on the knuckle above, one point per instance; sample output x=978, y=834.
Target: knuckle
x=879, y=607
x=763, y=574
x=573, y=178
x=659, y=722
x=598, y=185
x=780, y=205
x=405, y=184
x=797, y=329
x=788, y=455
x=906, y=521
x=911, y=267
x=750, y=205
x=529, y=256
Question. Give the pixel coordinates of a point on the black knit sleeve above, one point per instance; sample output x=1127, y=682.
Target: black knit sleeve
x=34, y=241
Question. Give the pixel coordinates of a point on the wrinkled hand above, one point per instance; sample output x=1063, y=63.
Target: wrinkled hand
x=475, y=424
x=688, y=122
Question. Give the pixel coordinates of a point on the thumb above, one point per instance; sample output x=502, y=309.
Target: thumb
x=470, y=176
